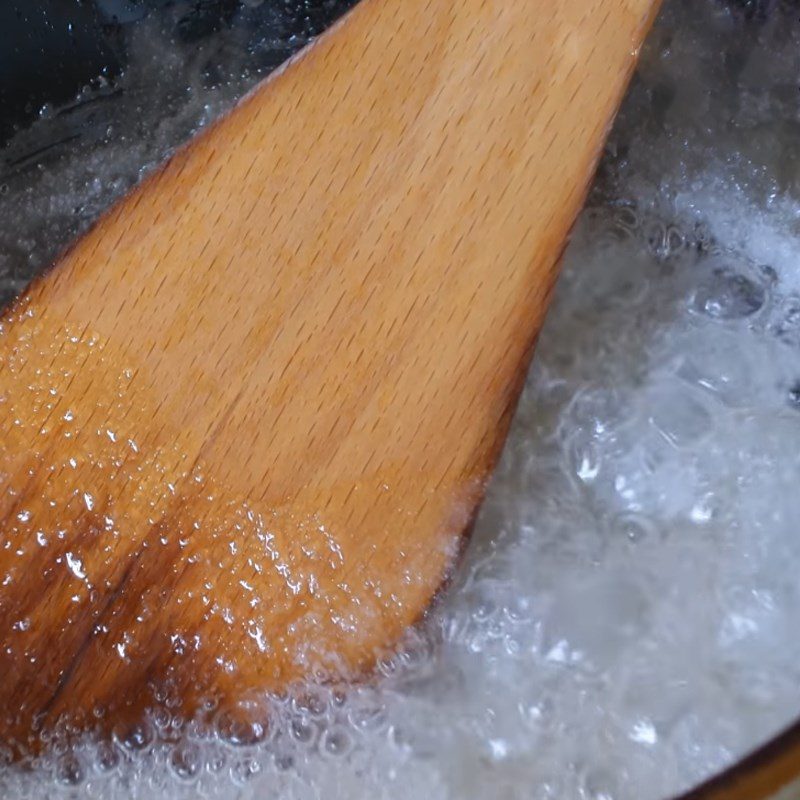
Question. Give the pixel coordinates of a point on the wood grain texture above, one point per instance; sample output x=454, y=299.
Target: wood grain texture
x=247, y=418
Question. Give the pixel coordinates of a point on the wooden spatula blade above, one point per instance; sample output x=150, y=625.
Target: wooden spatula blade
x=248, y=417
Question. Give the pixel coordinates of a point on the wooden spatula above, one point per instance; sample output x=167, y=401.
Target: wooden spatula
x=247, y=419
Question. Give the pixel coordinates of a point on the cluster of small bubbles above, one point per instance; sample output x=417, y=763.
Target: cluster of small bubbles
x=623, y=623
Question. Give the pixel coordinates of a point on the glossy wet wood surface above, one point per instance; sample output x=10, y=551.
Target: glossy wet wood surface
x=248, y=417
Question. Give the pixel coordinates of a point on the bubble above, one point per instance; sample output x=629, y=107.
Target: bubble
x=366, y=713
x=728, y=295
x=106, y=757
x=626, y=216
x=303, y=731
x=336, y=742
x=135, y=738
x=245, y=771
x=635, y=528
x=70, y=771
x=186, y=761
x=240, y=732
x=161, y=717
x=313, y=701
x=598, y=409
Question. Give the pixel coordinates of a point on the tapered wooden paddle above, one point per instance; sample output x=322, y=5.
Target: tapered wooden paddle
x=248, y=417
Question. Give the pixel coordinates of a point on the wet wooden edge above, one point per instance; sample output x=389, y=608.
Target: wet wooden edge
x=761, y=775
